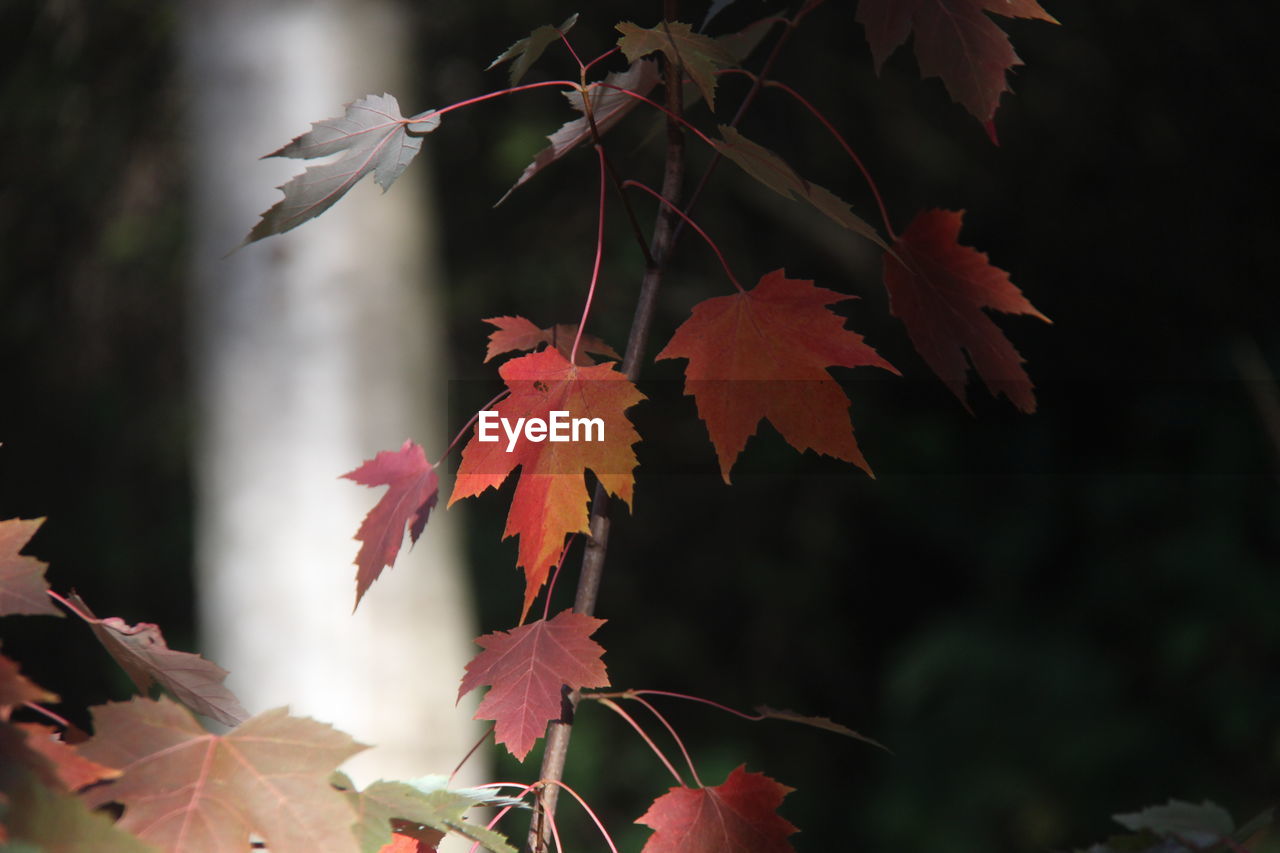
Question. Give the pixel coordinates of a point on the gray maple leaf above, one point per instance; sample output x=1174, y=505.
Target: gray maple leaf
x=371, y=136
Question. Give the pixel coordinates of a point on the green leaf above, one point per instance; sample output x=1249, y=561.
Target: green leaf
x=700, y=56
x=422, y=814
x=526, y=51
x=62, y=823
x=1201, y=826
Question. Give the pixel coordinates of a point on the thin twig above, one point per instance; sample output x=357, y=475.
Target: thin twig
x=557, y=743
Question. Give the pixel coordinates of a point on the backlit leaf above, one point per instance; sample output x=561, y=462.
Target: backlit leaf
x=518, y=334
x=371, y=136
x=528, y=668
x=425, y=816
x=764, y=354
x=185, y=789
x=739, y=816
x=412, y=491
x=550, y=500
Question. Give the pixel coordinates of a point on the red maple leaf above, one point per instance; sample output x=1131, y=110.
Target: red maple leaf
x=185, y=789
x=955, y=40
x=411, y=495
x=143, y=654
x=22, y=585
x=528, y=668
x=739, y=816
x=517, y=333
x=763, y=353
x=550, y=500
x=72, y=770
x=938, y=289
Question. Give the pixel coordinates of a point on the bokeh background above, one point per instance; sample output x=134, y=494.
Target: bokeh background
x=1049, y=619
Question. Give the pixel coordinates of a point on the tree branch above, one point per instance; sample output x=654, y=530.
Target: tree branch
x=557, y=744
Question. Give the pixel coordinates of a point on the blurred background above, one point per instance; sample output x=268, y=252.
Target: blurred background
x=1049, y=619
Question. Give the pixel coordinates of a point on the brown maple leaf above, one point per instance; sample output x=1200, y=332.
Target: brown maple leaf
x=185, y=789
x=550, y=500
x=700, y=56
x=608, y=106
x=528, y=668
x=938, y=289
x=739, y=816
x=955, y=40
x=411, y=495
x=763, y=354
x=143, y=654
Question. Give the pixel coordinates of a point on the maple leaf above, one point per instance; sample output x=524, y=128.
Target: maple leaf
x=421, y=814
x=763, y=354
x=517, y=333
x=371, y=136
x=17, y=689
x=412, y=493
x=954, y=40
x=186, y=789
x=825, y=723
x=22, y=585
x=406, y=844
x=526, y=51
x=54, y=822
x=700, y=56
x=739, y=816
x=72, y=770
x=774, y=172
x=550, y=499
x=608, y=106
x=143, y=655
x=938, y=289
x=528, y=668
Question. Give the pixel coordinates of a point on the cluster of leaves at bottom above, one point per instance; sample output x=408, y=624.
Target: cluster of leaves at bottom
x=175, y=786
x=172, y=785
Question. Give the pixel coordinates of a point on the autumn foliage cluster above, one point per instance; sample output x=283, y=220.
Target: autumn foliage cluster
x=753, y=351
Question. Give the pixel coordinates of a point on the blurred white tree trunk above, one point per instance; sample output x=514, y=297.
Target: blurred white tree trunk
x=314, y=351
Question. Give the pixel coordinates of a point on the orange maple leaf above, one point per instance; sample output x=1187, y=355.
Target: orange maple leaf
x=763, y=353
x=550, y=500
x=517, y=333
